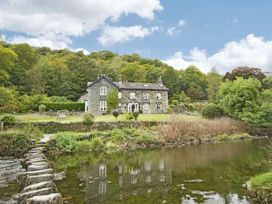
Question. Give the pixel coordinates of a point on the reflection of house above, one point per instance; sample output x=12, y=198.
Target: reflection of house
x=117, y=181
x=133, y=97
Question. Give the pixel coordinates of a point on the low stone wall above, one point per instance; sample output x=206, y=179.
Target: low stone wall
x=38, y=180
x=53, y=127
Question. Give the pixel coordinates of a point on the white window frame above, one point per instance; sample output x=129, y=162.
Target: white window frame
x=119, y=95
x=146, y=107
x=103, y=106
x=132, y=95
x=159, y=106
x=145, y=95
x=158, y=96
x=103, y=90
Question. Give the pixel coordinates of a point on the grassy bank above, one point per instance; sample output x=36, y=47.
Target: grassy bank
x=260, y=186
x=174, y=133
x=16, y=142
x=108, y=141
x=36, y=117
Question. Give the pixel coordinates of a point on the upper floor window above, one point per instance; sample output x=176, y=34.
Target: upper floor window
x=103, y=90
x=132, y=95
x=145, y=95
x=158, y=96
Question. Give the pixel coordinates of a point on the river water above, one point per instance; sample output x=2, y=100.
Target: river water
x=208, y=173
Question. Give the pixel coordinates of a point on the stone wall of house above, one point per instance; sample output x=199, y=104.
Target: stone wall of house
x=152, y=100
x=94, y=96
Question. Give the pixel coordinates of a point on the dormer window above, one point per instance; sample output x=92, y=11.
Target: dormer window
x=158, y=96
x=145, y=95
x=132, y=95
x=103, y=90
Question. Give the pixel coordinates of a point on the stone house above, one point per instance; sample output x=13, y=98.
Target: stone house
x=133, y=97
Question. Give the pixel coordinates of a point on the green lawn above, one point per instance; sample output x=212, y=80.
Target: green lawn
x=35, y=117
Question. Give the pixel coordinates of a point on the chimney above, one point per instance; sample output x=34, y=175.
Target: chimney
x=120, y=80
x=160, y=81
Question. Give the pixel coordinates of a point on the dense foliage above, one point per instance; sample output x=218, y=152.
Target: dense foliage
x=29, y=76
x=212, y=111
x=8, y=120
x=70, y=106
x=245, y=99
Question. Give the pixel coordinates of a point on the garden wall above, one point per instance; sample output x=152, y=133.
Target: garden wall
x=52, y=127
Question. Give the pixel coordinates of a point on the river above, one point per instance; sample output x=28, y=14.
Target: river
x=208, y=173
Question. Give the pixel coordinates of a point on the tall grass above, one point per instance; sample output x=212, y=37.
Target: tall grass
x=202, y=129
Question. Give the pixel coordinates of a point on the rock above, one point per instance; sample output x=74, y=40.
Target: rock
x=54, y=198
x=38, y=178
x=24, y=196
x=59, y=176
x=21, y=177
x=37, y=186
x=37, y=167
x=38, y=159
x=40, y=164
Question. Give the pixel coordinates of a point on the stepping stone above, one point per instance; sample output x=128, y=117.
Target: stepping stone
x=37, y=186
x=54, y=198
x=39, y=178
x=24, y=196
x=37, y=167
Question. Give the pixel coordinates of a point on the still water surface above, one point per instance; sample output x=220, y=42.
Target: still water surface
x=210, y=174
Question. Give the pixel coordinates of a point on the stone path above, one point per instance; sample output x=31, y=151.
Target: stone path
x=38, y=179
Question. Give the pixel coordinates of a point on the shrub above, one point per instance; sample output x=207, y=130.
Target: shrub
x=88, y=119
x=229, y=137
x=70, y=106
x=135, y=115
x=32, y=132
x=212, y=111
x=83, y=146
x=14, y=143
x=115, y=113
x=42, y=108
x=9, y=120
x=66, y=141
x=97, y=144
x=129, y=116
x=203, y=129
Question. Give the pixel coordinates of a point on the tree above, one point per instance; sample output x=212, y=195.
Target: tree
x=112, y=100
x=7, y=59
x=8, y=101
x=267, y=82
x=245, y=72
x=193, y=82
x=214, y=80
x=240, y=96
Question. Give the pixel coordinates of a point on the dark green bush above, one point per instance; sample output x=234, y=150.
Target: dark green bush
x=212, y=111
x=9, y=120
x=14, y=143
x=135, y=115
x=70, y=106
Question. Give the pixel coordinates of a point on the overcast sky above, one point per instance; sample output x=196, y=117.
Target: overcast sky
x=208, y=33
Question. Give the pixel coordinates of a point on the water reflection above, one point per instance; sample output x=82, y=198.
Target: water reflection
x=199, y=174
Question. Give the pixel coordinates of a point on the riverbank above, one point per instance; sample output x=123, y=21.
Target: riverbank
x=177, y=134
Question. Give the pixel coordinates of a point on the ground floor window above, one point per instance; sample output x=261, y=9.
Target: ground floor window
x=103, y=105
x=159, y=106
x=119, y=106
x=146, y=107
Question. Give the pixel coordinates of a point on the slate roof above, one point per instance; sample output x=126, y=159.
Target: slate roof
x=132, y=85
x=142, y=86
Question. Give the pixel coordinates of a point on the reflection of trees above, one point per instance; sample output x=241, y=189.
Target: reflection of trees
x=169, y=174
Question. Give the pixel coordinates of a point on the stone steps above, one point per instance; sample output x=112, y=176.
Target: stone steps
x=38, y=180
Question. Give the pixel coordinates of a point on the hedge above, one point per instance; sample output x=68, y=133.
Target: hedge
x=70, y=106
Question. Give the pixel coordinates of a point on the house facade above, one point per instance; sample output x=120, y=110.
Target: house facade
x=132, y=97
